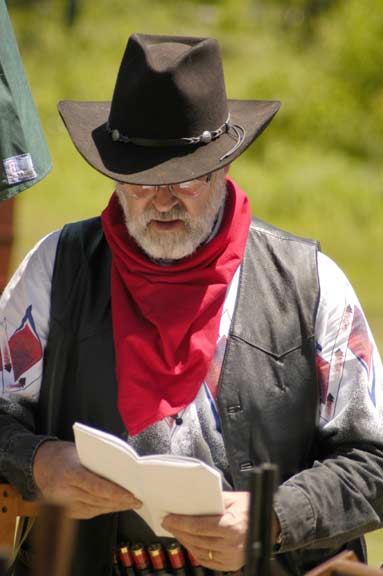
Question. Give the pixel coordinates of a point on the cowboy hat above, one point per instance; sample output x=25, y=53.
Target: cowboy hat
x=169, y=119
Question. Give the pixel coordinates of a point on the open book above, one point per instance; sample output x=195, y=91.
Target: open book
x=163, y=483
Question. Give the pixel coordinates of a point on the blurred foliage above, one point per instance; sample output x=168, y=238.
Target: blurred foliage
x=317, y=169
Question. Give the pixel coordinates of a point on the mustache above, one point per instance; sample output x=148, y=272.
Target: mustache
x=175, y=213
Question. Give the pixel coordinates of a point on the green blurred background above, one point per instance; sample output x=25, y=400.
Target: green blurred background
x=317, y=170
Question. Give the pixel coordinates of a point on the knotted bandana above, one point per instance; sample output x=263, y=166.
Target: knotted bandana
x=166, y=318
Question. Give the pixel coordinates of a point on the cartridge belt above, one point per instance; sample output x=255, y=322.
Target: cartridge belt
x=156, y=559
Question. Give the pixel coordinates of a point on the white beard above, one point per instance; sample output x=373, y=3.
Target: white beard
x=174, y=244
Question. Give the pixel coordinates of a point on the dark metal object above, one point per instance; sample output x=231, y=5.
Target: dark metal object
x=269, y=484
x=259, y=562
x=253, y=545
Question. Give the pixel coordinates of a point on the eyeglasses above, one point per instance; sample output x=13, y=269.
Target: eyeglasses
x=188, y=189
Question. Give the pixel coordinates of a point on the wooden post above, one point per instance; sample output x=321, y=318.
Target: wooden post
x=6, y=239
x=54, y=541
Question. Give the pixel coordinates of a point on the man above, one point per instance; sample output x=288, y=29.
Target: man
x=181, y=325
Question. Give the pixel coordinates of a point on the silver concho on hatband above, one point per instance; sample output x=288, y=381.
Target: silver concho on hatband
x=206, y=137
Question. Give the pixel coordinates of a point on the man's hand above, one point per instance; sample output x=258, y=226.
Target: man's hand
x=60, y=476
x=217, y=542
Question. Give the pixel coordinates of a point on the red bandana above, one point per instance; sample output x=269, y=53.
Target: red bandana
x=166, y=318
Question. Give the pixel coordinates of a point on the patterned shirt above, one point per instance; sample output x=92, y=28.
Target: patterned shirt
x=349, y=368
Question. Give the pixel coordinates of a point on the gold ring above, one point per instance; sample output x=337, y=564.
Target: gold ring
x=210, y=555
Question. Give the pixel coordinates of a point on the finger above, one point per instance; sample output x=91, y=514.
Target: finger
x=203, y=543
x=221, y=551
x=80, y=508
x=119, y=499
x=106, y=506
x=103, y=503
x=201, y=556
x=200, y=525
x=226, y=552
x=82, y=511
x=230, y=498
x=70, y=493
x=101, y=489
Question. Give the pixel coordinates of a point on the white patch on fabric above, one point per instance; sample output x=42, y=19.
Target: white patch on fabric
x=19, y=168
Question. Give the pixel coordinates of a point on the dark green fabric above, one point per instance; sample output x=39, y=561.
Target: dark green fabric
x=20, y=130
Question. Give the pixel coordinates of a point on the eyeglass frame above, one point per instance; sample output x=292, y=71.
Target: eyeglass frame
x=170, y=187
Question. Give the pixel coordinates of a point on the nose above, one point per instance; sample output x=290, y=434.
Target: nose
x=164, y=199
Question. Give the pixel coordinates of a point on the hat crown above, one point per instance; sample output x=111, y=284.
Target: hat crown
x=169, y=87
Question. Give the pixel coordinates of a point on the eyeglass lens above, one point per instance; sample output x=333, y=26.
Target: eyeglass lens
x=190, y=188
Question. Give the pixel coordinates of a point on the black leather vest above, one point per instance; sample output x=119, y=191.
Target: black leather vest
x=268, y=394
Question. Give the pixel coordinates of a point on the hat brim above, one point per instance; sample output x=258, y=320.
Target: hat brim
x=126, y=162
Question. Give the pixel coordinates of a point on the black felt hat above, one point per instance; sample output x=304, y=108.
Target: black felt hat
x=169, y=119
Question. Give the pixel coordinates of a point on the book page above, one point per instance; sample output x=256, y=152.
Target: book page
x=164, y=483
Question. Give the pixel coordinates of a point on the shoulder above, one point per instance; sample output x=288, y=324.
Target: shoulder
x=44, y=250
x=292, y=258
x=27, y=295
x=83, y=227
x=339, y=310
x=37, y=267
x=78, y=239
x=335, y=288
x=82, y=259
x=258, y=226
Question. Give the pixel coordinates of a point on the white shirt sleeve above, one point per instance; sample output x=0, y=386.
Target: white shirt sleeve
x=348, y=363
x=24, y=320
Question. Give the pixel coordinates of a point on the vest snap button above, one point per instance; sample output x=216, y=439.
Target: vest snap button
x=246, y=466
x=233, y=409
